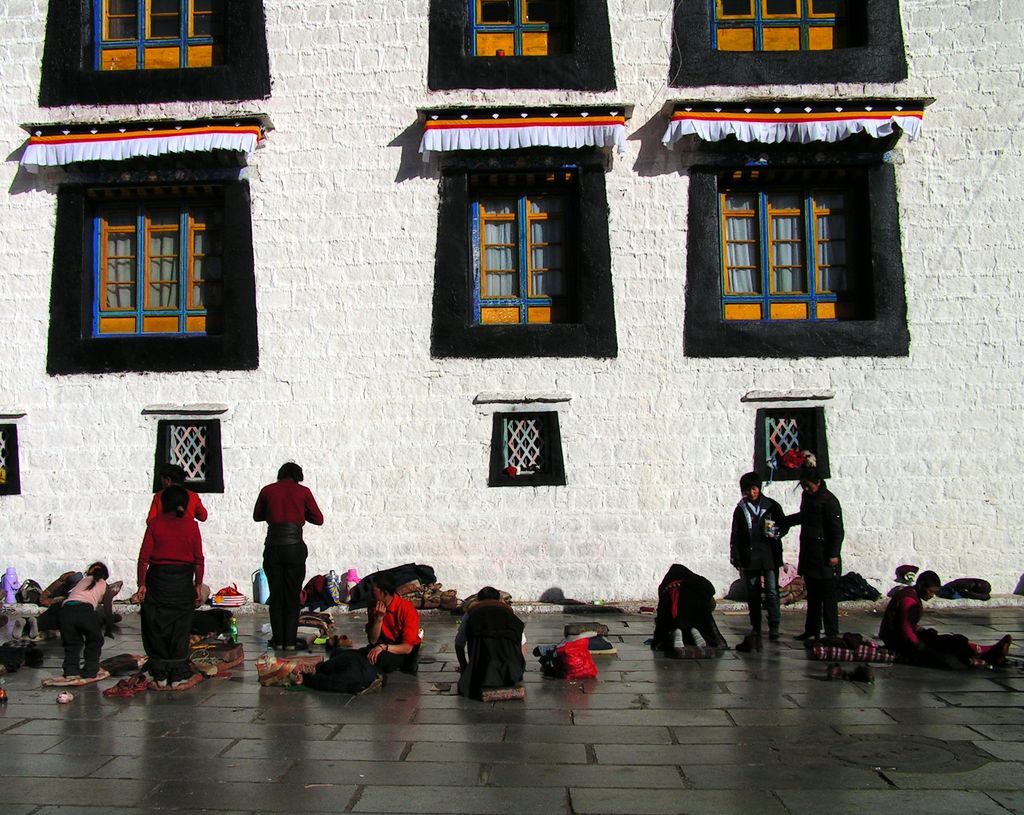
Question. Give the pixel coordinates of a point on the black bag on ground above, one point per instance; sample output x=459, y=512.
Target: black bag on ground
x=346, y=671
x=360, y=595
x=968, y=588
x=29, y=592
x=854, y=587
x=214, y=621
x=13, y=657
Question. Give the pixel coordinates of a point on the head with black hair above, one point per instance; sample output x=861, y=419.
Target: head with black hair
x=290, y=470
x=97, y=571
x=927, y=585
x=174, y=499
x=811, y=480
x=171, y=474
x=488, y=593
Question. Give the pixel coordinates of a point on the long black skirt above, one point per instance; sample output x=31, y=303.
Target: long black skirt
x=167, y=619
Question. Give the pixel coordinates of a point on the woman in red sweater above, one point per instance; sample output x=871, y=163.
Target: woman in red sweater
x=286, y=506
x=170, y=575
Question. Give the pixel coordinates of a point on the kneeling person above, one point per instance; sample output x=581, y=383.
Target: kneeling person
x=392, y=630
x=494, y=636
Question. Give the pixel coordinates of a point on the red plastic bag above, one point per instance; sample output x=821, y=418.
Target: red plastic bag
x=575, y=660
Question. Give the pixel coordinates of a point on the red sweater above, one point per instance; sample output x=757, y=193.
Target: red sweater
x=899, y=625
x=194, y=509
x=287, y=502
x=170, y=539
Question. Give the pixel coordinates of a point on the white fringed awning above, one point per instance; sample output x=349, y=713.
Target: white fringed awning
x=47, y=148
x=512, y=129
x=826, y=122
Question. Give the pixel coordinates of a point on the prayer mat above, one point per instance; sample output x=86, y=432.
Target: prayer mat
x=74, y=681
x=188, y=684
x=864, y=653
x=502, y=694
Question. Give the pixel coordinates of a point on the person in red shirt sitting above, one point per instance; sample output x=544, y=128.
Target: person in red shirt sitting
x=925, y=646
x=170, y=572
x=392, y=629
x=171, y=474
x=285, y=505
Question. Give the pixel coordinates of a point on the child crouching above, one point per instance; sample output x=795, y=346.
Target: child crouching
x=80, y=624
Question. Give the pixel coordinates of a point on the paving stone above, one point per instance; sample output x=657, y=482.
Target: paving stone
x=747, y=734
x=654, y=718
x=823, y=715
x=105, y=810
x=620, y=776
x=157, y=767
x=952, y=732
x=334, y=749
x=847, y=802
x=82, y=792
x=998, y=697
x=1001, y=732
x=1004, y=750
x=394, y=773
x=508, y=712
x=468, y=800
x=504, y=753
x=994, y=776
x=14, y=743
x=608, y=801
x=50, y=765
x=958, y=715
x=593, y=734
x=213, y=796
x=111, y=745
x=800, y=775
x=763, y=752
x=1012, y=801
x=422, y=732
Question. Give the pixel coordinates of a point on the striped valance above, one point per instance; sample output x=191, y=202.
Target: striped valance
x=54, y=145
x=800, y=123
x=514, y=129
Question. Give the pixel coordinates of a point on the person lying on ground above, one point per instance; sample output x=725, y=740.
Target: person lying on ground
x=686, y=601
x=925, y=646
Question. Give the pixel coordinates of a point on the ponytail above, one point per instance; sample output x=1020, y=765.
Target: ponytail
x=175, y=499
x=97, y=571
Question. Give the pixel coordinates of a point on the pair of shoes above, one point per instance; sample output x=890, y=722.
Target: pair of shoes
x=751, y=642
x=19, y=628
x=996, y=655
x=834, y=671
x=807, y=635
x=862, y=673
x=373, y=687
x=773, y=634
x=31, y=628
x=289, y=648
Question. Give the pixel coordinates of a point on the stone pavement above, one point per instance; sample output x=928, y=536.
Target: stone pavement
x=757, y=733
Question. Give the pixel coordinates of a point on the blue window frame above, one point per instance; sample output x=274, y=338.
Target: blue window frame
x=521, y=248
x=154, y=34
x=157, y=267
x=778, y=25
x=787, y=253
x=516, y=28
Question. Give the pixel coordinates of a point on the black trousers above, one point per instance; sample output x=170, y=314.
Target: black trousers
x=285, y=566
x=822, y=606
x=80, y=627
x=167, y=620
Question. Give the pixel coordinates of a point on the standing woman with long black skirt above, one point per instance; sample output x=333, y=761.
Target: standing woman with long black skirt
x=170, y=574
x=285, y=505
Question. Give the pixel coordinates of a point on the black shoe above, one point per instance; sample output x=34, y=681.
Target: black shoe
x=773, y=634
x=807, y=635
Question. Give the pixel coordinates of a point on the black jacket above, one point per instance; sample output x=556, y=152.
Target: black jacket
x=821, y=533
x=742, y=536
x=494, y=639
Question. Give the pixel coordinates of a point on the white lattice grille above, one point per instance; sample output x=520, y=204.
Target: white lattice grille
x=782, y=434
x=525, y=445
x=3, y=455
x=186, y=447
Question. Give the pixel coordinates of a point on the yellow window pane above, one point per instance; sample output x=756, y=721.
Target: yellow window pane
x=203, y=56
x=789, y=311
x=490, y=316
x=535, y=44
x=820, y=38
x=781, y=39
x=195, y=324
x=159, y=325
x=826, y=311
x=157, y=58
x=117, y=325
x=743, y=311
x=117, y=59
x=735, y=39
x=538, y=314
x=488, y=45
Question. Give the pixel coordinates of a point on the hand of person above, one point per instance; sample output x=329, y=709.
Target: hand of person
x=374, y=653
x=380, y=609
x=199, y=596
x=833, y=561
x=141, y=593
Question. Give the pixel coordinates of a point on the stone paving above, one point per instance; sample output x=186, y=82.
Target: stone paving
x=757, y=733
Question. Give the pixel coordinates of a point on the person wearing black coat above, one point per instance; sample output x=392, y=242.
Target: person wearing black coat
x=493, y=635
x=821, y=541
x=686, y=601
x=755, y=548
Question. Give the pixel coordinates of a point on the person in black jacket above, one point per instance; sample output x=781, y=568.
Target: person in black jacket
x=755, y=548
x=494, y=636
x=821, y=541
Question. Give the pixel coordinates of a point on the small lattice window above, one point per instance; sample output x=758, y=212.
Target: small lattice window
x=195, y=447
x=10, y=479
x=526, y=450
x=783, y=437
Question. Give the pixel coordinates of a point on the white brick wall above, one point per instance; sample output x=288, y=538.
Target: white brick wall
x=924, y=449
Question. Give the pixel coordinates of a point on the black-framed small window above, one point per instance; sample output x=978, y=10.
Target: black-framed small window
x=554, y=44
x=782, y=438
x=868, y=319
x=208, y=327
x=786, y=42
x=10, y=471
x=526, y=450
x=193, y=445
x=575, y=320
x=127, y=52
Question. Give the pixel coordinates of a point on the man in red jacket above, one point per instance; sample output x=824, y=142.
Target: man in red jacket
x=392, y=629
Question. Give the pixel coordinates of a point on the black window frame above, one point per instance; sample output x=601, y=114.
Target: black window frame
x=554, y=474
x=12, y=486
x=68, y=77
x=72, y=349
x=884, y=333
x=695, y=63
x=588, y=66
x=214, y=481
x=813, y=418
x=453, y=333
